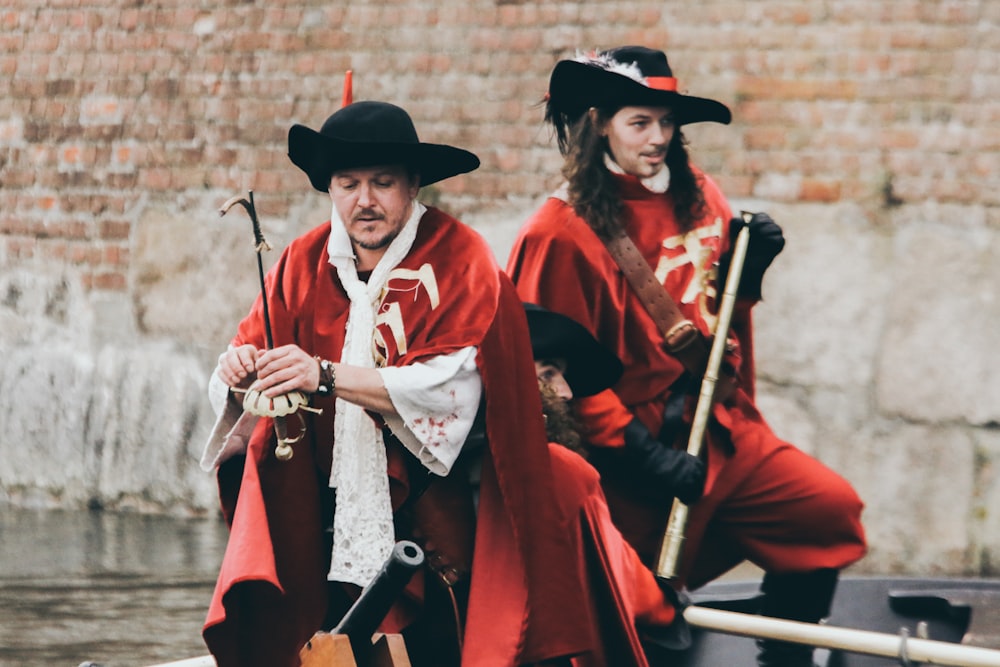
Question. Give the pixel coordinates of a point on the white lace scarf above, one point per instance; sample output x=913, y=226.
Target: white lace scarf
x=363, y=535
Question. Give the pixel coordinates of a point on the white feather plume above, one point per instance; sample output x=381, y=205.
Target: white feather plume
x=606, y=62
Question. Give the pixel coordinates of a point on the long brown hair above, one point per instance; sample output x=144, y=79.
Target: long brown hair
x=592, y=191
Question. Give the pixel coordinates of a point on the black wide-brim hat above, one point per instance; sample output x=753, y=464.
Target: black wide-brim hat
x=368, y=134
x=590, y=366
x=626, y=76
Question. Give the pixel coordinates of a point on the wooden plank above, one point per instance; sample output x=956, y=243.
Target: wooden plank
x=327, y=650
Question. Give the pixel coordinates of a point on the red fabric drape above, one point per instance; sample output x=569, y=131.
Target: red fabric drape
x=448, y=294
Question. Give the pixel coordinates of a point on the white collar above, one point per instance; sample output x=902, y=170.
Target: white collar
x=340, y=249
x=658, y=183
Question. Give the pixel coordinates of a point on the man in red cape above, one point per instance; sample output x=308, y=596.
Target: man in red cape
x=617, y=116
x=637, y=613
x=397, y=323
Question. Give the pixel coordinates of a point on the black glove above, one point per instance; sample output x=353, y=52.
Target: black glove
x=766, y=241
x=656, y=471
x=661, y=643
x=683, y=388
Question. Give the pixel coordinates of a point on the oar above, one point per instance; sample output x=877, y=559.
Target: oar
x=901, y=647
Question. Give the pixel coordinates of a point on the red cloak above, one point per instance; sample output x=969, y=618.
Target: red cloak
x=798, y=521
x=622, y=593
x=271, y=593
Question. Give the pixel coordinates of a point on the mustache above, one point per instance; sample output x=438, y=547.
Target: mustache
x=368, y=214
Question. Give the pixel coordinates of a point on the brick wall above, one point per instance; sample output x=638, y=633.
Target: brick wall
x=109, y=107
x=870, y=129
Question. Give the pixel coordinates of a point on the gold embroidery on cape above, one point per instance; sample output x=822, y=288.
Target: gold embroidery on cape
x=701, y=287
x=391, y=315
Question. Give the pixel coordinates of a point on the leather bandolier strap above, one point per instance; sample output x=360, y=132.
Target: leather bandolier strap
x=681, y=337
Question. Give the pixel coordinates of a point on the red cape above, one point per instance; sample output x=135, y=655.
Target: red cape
x=558, y=262
x=271, y=593
x=622, y=593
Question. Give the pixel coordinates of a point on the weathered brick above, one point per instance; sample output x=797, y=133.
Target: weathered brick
x=812, y=190
x=114, y=229
x=174, y=98
x=107, y=280
x=21, y=248
x=116, y=255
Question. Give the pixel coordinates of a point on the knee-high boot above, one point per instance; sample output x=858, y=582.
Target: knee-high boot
x=800, y=596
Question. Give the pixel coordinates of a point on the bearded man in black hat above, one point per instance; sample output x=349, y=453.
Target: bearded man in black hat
x=631, y=191
x=394, y=318
x=642, y=625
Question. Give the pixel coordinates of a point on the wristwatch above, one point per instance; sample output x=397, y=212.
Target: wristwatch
x=327, y=378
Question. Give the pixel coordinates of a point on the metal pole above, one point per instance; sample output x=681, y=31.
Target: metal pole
x=673, y=537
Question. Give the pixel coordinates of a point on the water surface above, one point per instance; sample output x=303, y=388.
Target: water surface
x=115, y=589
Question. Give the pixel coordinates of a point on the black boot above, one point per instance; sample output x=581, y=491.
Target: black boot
x=803, y=596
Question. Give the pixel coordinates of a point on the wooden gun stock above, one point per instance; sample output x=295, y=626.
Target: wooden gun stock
x=352, y=642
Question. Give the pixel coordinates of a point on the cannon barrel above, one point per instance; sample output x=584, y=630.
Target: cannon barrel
x=366, y=614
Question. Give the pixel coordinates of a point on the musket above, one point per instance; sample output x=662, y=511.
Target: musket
x=253, y=401
x=673, y=538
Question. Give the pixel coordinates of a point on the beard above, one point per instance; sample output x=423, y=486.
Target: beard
x=561, y=424
x=377, y=244
x=367, y=242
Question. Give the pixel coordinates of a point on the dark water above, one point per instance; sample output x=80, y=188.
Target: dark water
x=116, y=589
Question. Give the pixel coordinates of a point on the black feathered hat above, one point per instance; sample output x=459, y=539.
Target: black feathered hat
x=367, y=134
x=624, y=76
x=590, y=367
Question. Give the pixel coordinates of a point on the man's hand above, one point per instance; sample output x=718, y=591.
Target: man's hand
x=655, y=470
x=766, y=241
x=237, y=366
x=285, y=369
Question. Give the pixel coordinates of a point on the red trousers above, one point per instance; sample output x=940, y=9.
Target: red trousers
x=767, y=502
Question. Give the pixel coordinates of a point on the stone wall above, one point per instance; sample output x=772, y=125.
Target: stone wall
x=869, y=129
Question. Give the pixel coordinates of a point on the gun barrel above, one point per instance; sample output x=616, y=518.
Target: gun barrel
x=363, y=618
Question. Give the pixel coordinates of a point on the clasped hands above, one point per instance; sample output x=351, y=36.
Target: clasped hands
x=271, y=372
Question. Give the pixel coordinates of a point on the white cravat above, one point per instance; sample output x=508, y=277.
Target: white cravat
x=363, y=535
